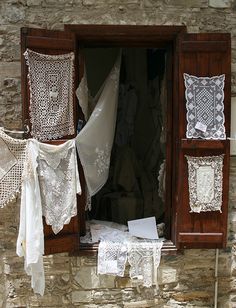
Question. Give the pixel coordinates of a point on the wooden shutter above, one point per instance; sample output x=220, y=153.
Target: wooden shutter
x=51, y=42
x=200, y=55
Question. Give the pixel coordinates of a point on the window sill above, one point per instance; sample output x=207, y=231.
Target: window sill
x=168, y=248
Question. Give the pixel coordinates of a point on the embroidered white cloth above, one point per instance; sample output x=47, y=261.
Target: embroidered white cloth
x=30, y=241
x=144, y=258
x=59, y=182
x=51, y=94
x=94, y=141
x=205, y=107
x=205, y=180
x=12, y=158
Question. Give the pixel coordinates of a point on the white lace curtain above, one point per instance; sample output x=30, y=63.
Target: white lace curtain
x=94, y=141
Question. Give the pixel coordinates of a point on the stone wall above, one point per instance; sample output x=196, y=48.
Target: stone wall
x=186, y=280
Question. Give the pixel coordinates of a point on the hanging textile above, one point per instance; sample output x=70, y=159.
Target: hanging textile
x=94, y=141
x=144, y=258
x=30, y=241
x=112, y=252
x=205, y=180
x=59, y=182
x=51, y=94
x=205, y=107
x=13, y=153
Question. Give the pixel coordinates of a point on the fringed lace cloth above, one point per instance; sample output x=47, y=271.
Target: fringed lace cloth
x=59, y=183
x=94, y=141
x=49, y=186
x=205, y=180
x=205, y=107
x=51, y=94
x=144, y=258
x=12, y=158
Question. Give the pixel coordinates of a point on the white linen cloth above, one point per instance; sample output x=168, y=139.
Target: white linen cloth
x=49, y=186
x=94, y=142
x=12, y=158
x=30, y=241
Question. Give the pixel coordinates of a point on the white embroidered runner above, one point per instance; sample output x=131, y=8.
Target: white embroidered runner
x=205, y=107
x=51, y=94
x=94, y=142
x=59, y=182
x=13, y=154
x=205, y=180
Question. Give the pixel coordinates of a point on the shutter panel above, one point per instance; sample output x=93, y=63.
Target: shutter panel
x=51, y=42
x=200, y=55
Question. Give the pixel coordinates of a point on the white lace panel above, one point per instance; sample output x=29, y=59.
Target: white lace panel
x=59, y=183
x=144, y=259
x=51, y=94
x=205, y=107
x=112, y=256
x=12, y=159
x=94, y=142
x=205, y=180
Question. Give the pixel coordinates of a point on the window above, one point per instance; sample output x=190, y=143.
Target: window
x=195, y=54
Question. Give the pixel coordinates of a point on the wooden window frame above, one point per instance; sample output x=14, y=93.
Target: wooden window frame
x=180, y=43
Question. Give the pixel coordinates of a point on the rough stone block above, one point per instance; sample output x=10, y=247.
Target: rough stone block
x=188, y=3
x=167, y=275
x=87, y=278
x=220, y=3
x=81, y=296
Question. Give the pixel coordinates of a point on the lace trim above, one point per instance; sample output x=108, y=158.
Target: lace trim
x=205, y=179
x=205, y=107
x=50, y=80
x=102, y=160
x=13, y=156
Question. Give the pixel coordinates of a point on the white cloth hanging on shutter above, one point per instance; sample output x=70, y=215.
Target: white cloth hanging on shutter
x=51, y=94
x=30, y=241
x=59, y=182
x=49, y=187
x=12, y=158
x=205, y=106
x=94, y=142
x=205, y=181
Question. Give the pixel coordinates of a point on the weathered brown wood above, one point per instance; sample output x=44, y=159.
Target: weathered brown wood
x=125, y=34
x=52, y=42
x=201, y=55
x=203, y=144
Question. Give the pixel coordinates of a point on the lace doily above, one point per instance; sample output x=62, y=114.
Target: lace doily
x=144, y=258
x=59, y=183
x=13, y=155
x=51, y=94
x=205, y=177
x=205, y=107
